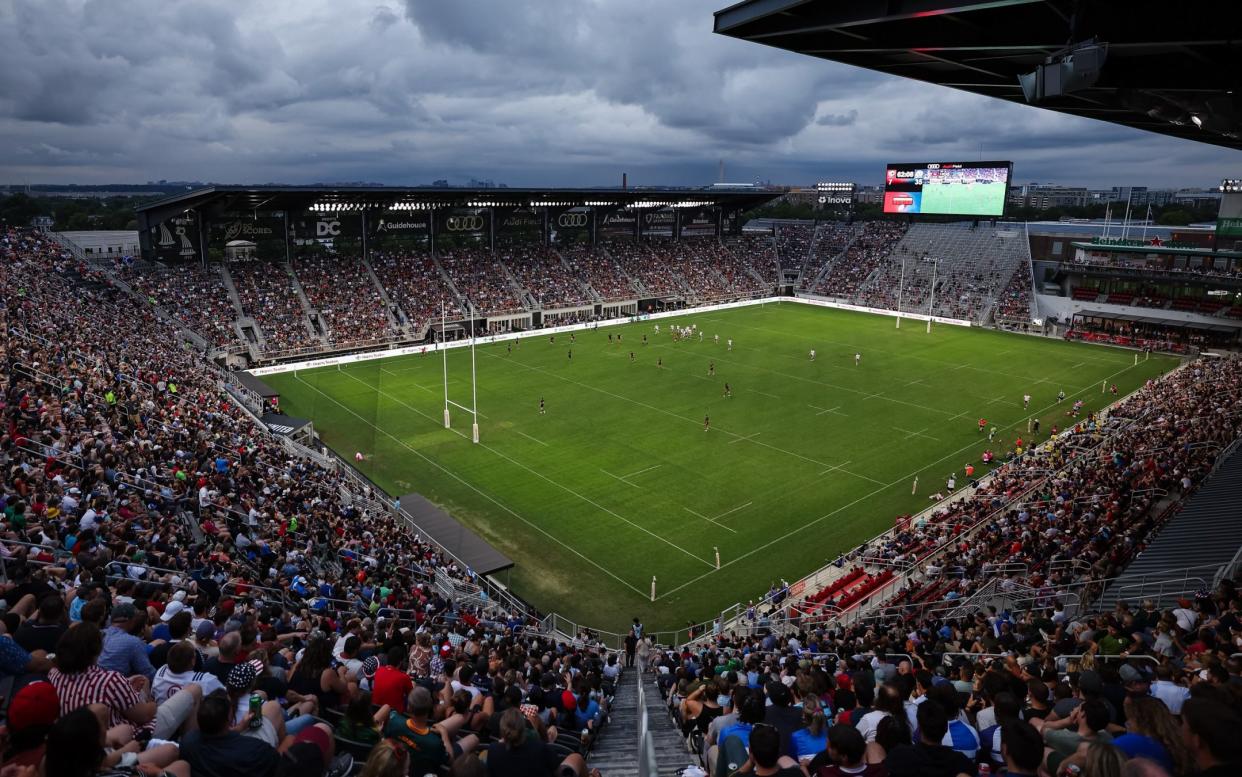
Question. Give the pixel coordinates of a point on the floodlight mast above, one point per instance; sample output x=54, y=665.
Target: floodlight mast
x=931, y=305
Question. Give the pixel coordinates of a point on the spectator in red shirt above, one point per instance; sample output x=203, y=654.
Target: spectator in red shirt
x=391, y=684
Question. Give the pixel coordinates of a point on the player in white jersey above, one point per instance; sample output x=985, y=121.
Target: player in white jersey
x=857, y=358
x=730, y=343
x=812, y=354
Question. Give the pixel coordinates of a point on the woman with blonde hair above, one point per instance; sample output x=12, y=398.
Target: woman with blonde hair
x=1151, y=732
x=387, y=759
x=1103, y=760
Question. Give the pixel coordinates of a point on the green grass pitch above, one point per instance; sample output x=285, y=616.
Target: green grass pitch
x=618, y=481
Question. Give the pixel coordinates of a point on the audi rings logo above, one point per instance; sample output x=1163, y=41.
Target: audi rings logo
x=572, y=220
x=464, y=223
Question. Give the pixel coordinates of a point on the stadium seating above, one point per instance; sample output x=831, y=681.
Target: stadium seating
x=482, y=280
x=269, y=295
x=196, y=297
x=340, y=289
x=414, y=282
x=649, y=264
x=179, y=511
x=596, y=268
x=540, y=271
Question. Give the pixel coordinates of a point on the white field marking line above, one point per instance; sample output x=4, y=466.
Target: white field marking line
x=709, y=520
x=960, y=415
x=731, y=512
x=477, y=490
x=916, y=381
x=747, y=437
x=919, y=433
x=618, y=477
x=835, y=467
x=864, y=497
x=527, y=436
x=823, y=410
x=641, y=471
x=674, y=415
x=994, y=400
x=854, y=347
x=544, y=477
x=764, y=393
x=822, y=383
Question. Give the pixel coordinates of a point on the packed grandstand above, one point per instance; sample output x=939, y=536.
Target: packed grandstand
x=203, y=598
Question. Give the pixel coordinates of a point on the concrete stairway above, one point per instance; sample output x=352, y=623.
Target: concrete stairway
x=616, y=752
x=1204, y=536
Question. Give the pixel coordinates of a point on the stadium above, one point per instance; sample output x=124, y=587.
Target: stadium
x=416, y=480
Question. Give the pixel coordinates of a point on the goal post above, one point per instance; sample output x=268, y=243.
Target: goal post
x=473, y=409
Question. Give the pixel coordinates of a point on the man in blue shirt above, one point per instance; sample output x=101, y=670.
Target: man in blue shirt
x=123, y=651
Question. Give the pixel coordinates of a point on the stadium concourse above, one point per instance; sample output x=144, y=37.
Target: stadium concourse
x=187, y=589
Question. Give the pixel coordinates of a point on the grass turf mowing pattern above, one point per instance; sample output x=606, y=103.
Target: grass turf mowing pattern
x=618, y=481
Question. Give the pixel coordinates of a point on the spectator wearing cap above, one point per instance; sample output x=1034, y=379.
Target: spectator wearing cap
x=123, y=650
x=205, y=639
x=271, y=725
x=30, y=716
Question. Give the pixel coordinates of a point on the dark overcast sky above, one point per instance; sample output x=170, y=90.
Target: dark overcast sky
x=543, y=92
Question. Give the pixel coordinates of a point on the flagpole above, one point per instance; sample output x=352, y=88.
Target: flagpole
x=1108, y=215
x=931, y=305
x=474, y=382
x=1125, y=225
x=1146, y=221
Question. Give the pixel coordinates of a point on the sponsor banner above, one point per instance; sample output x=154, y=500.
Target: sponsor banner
x=620, y=223
x=519, y=221
x=475, y=222
x=553, y=330
x=570, y=221
x=699, y=221
x=399, y=223
x=325, y=228
x=657, y=222
x=177, y=239
x=265, y=230
x=1229, y=217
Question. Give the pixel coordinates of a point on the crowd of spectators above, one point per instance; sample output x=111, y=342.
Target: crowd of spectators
x=793, y=244
x=268, y=295
x=1014, y=303
x=939, y=684
x=597, y=269
x=540, y=271
x=867, y=250
x=759, y=253
x=652, y=263
x=481, y=279
x=184, y=595
x=341, y=289
x=414, y=283
x=195, y=296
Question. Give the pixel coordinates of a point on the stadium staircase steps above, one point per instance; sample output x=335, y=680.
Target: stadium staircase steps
x=231, y=288
x=307, y=309
x=590, y=291
x=462, y=303
x=1205, y=534
x=389, y=306
x=615, y=753
x=528, y=300
x=637, y=285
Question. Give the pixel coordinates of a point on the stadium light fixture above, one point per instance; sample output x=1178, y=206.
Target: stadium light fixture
x=1231, y=185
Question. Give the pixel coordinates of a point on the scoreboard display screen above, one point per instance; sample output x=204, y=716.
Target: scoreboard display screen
x=947, y=188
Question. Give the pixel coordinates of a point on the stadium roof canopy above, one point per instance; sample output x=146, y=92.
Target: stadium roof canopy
x=1170, y=68
x=299, y=198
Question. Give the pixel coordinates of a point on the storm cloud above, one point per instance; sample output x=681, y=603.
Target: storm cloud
x=554, y=92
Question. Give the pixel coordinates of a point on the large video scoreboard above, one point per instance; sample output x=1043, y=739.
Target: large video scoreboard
x=949, y=188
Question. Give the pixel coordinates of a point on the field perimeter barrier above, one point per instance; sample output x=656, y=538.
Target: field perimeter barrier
x=332, y=361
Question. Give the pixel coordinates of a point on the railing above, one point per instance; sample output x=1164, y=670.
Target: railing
x=647, y=766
